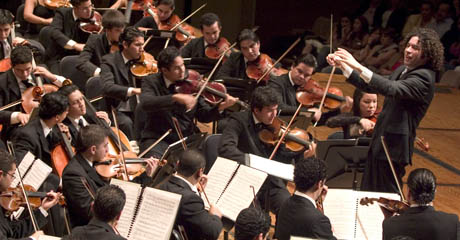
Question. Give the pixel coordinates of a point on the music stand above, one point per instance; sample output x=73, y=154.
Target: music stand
x=203, y=65
x=157, y=43
x=239, y=87
x=343, y=155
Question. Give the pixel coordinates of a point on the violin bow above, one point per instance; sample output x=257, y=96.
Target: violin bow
x=255, y=198
x=179, y=132
x=279, y=59
x=205, y=195
x=155, y=143
x=11, y=105
x=88, y=188
x=123, y=162
x=392, y=168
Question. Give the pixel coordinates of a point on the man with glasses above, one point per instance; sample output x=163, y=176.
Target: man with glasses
x=64, y=36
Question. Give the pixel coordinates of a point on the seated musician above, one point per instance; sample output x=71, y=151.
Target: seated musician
x=80, y=181
x=210, y=27
x=240, y=137
x=165, y=9
x=299, y=215
x=21, y=229
x=15, y=82
x=197, y=222
x=117, y=80
x=36, y=16
x=101, y=44
x=64, y=36
x=252, y=224
x=107, y=207
x=421, y=220
x=77, y=118
x=295, y=80
x=161, y=102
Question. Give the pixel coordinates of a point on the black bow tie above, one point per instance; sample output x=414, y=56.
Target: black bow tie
x=259, y=127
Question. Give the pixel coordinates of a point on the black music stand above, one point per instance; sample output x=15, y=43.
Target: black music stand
x=344, y=155
x=202, y=65
x=239, y=87
x=158, y=41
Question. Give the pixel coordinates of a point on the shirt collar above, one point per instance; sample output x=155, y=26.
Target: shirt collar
x=88, y=161
x=75, y=18
x=205, y=43
x=76, y=120
x=290, y=79
x=167, y=82
x=193, y=187
x=125, y=60
x=46, y=129
x=256, y=121
x=300, y=194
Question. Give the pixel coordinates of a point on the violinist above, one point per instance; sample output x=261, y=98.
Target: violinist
x=64, y=36
x=421, y=220
x=15, y=229
x=118, y=84
x=92, y=148
x=14, y=82
x=161, y=101
x=165, y=9
x=300, y=215
x=240, y=137
x=210, y=27
x=101, y=44
x=36, y=16
x=408, y=93
x=108, y=204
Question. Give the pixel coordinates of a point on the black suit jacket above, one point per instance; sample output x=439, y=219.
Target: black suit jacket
x=422, y=223
x=96, y=229
x=299, y=217
x=234, y=67
x=19, y=229
x=407, y=99
x=194, y=49
x=91, y=57
x=156, y=101
x=198, y=223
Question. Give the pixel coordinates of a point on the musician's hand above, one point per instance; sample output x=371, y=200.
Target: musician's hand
x=187, y=100
x=51, y=199
x=104, y=116
x=44, y=73
x=203, y=181
x=317, y=113
x=215, y=211
x=152, y=164
x=348, y=59
x=310, y=151
x=136, y=91
x=47, y=21
x=79, y=47
x=228, y=102
x=17, y=41
x=23, y=118
x=366, y=124
x=65, y=130
x=346, y=105
x=324, y=193
x=37, y=234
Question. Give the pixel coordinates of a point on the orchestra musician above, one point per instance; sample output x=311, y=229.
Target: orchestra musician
x=299, y=215
x=197, y=222
x=101, y=44
x=106, y=209
x=252, y=224
x=160, y=101
x=421, y=220
x=240, y=137
x=64, y=36
x=165, y=9
x=408, y=93
x=21, y=229
x=118, y=84
x=36, y=16
x=91, y=148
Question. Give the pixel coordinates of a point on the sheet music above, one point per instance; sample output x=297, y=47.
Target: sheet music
x=37, y=174
x=218, y=178
x=132, y=192
x=239, y=193
x=48, y=237
x=23, y=167
x=274, y=168
x=156, y=215
x=340, y=208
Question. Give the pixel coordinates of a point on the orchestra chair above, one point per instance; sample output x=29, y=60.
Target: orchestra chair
x=93, y=89
x=211, y=150
x=69, y=71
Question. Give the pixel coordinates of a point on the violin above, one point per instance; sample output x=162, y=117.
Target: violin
x=109, y=168
x=213, y=93
x=13, y=198
x=184, y=34
x=55, y=4
x=146, y=65
x=394, y=206
x=62, y=154
x=93, y=24
x=5, y=64
x=312, y=93
x=257, y=68
x=214, y=51
x=296, y=139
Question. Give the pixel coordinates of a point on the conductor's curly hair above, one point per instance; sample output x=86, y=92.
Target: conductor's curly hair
x=432, y=47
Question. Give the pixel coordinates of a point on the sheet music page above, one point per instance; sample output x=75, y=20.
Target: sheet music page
x=23, y=167
x=239, y=194
x=218, y=178
x=274, y=168
x=37, y=174
x=132, y=192
x=156, y=215
x=340, y=208
x=371, y=216
x=48, y=237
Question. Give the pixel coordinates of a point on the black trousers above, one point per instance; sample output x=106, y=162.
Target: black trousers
x=378, y=177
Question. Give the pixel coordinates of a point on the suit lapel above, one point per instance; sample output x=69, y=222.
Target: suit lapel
x=13, y=84
x=92, y=174
x=41, y=135
x=121, y=66
x=254, y=137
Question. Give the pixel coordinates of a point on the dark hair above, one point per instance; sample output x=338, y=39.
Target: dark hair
x=76, y=3
x=357, y=96
x=264, y=97
x=90, y=135
x=166, y=57
x=308, y=172
x=422, y=185
x=68, y=89
x=170, y=3
x=250, y=223
x=113, y=19
x=364, y=29
x=6, y=17
x=128, y=35
x=209, y=19
x=6, y=161
x=190, y=162
x=52, y=104
x=391, y=33
x=247, y=34
x=21, y=55
x=108, y=203
x=432, y=48
x=307, y=59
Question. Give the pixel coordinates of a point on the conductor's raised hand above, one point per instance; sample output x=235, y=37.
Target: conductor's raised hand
x=344, y=56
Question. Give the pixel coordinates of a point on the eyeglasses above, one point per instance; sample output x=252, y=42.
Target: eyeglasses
x=11, y=175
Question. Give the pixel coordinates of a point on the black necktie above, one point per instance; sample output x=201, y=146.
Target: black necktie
x=172, y=88
x=259, y=127
x=48, y=138
x=80, y=123
x=27, y=83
